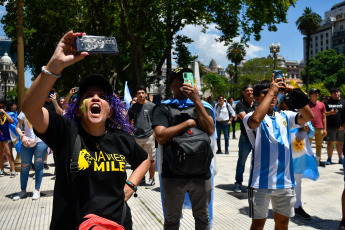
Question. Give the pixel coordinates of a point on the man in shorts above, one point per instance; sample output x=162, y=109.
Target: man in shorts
x=335, y=113
x=272, y=176
x=141, y=114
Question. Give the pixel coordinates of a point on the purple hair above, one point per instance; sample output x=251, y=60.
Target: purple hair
x=118, y=120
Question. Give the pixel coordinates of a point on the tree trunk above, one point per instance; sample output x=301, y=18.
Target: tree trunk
x=137, y=68
x=168, y=93
x=169, y=38
x=308, y=45
x=236, y=79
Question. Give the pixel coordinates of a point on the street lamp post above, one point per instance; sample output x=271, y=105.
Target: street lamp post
x=274, y=49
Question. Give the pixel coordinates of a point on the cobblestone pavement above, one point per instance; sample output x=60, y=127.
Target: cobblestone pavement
x=321, y=199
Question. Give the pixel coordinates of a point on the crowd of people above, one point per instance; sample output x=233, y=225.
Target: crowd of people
x=93, y=136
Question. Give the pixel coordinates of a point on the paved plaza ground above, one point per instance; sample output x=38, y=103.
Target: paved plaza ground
x=321, y=199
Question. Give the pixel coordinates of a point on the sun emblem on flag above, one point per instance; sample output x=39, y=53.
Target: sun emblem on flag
x=298, y=145
x=284, y=122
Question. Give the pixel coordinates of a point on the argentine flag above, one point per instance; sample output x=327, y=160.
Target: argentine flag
x=127, y=96
x=303, y=158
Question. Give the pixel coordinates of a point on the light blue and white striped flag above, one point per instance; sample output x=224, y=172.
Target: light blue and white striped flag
x=127, y=96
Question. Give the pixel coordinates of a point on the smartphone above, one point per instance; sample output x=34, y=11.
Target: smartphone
x=278, y=74
x=96, y=44
x=188, y=78
x=76, y=89
x=50, y=93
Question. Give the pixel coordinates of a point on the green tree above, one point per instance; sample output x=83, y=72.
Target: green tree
x=255, y=70
x=308, y=24
x=182, y=55
x=144, y=31
x=320, y=86
x=327, y=67
x=216, y=84
x=236, y=53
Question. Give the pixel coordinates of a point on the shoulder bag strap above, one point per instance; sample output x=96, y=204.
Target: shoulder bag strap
x=124, y=213
x=74, y=166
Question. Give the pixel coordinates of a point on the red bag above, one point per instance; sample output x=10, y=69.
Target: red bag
x=95, y=222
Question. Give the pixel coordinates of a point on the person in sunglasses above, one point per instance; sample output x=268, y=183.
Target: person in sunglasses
x=272, y=175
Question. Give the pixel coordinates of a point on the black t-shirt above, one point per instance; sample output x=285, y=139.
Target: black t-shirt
x=243, y=106
x=161, y=118
x=50, y=106
x=335, y=121
x=98, y=186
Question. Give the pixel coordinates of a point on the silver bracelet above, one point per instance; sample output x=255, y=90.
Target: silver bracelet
x=49, y=73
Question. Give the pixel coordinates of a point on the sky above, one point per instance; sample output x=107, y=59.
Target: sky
x=205, y=46
x=290, y=39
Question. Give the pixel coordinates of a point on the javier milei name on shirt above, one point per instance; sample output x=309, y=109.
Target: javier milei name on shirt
x=102, y=162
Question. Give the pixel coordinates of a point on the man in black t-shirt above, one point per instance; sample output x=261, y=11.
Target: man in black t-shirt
x=335, y=112
x=174, y=187
x=246, y=105
x=97, y=185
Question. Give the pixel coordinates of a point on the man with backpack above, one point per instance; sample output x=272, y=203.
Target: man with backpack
x=184, y=117
x=224, y=115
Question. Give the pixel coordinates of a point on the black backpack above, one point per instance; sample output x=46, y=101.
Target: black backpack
x=190, y=153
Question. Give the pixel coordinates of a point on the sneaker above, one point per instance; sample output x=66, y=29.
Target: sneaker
x=341, y=160
x=142, y=182
x=227, y=152
x=151, y=182
x=2, y=173
x=13, y=174
x=219, y=152
x=19, y=196
x=45, y=166
x=329, y=161
x=299, y=212
x=341, y=225
x=322, y=164
x=238, y=187
x=36, y=195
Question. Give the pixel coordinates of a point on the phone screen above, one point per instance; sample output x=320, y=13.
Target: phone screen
x=50, y=93
x=278, y=74
x=188, y=78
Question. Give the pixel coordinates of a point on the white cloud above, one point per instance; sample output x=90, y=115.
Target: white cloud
x=207, y=48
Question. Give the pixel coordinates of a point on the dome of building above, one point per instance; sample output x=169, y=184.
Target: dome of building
x=213, y=64
x=6, y=59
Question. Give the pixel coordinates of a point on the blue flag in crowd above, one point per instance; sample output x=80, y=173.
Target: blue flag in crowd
x=303, y=158
x=127, y=96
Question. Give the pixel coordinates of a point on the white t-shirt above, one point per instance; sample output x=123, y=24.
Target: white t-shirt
x=27, y=131
x=272, y=166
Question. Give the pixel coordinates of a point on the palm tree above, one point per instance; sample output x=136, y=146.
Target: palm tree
x=308, y=24
x=236, y=53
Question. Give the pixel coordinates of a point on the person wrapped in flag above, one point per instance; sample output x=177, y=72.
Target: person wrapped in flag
x=304, y=162
x=269, y=132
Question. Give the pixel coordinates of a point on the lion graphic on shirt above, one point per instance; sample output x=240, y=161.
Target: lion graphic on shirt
x=84, y=160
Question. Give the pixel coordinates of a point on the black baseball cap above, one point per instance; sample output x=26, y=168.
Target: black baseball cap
x=334, y=89
x=314, y=90
x=177, y=73
x=95, y=80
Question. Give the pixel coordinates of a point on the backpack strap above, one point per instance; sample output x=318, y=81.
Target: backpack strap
x=74, y=166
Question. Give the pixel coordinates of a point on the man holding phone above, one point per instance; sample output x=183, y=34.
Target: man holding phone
x=166, y=127
x=269, y=133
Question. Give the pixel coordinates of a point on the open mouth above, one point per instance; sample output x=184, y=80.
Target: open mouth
x=95, y=109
